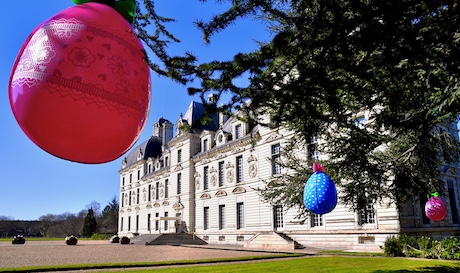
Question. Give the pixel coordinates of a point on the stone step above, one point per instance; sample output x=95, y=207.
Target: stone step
x=177, y=239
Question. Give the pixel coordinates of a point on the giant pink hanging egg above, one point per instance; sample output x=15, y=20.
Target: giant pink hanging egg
x=80, y=86
x=435, y=209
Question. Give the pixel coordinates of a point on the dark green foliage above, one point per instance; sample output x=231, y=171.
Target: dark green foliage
x=404, y=246
x=89, y=225
x=108, y=221
x=327, y=63
x=393, y=247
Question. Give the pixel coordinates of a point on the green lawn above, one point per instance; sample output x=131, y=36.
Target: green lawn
x=316, y=264
x=326, y=264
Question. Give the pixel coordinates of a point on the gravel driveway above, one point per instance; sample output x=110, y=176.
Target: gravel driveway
x=34, y=253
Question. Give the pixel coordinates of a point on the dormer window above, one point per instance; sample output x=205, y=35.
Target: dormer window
x=205, y=145
x=238, y=131
x=166, y=161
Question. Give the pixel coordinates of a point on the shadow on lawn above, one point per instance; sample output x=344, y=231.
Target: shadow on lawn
x=438, y=269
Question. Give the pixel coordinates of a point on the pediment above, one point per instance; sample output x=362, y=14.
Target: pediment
x=220, y=193
x=238, y=190
x=178, y=206
x=273, y=136
x=205, y=196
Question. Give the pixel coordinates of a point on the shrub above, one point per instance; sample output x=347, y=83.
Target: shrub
x=71, y=240
x=115, y=239
x=393, y=247
x=125, y=240
x=449, y=248
x=19, y=240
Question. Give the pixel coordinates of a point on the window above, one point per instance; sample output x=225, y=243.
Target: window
x=360, y=122
x=150, y=193
x=238, y=131
x=205, y=218
x=123, y=199
x=239, y=215
x=276, y=157
x=179, y=156
x=150, y=168
x=137, y=196
x=130, y=197
x=316, y=220
x=130, y=178
x=367, y=215
x=312, y=149
x=453, y=204
x=123, y=181
x=205, y=145
x=221, y=173
x=206, y=178
x=423, y=199
x=157, y=190
x=179, y=183
x=239, y=169
x=137, y=223
x=138, y=174
x=166, y=221
x=278, y=216
x=166, y=188
x=121, y=224
x=129, y=223
x=149, y=216
x=166, y=161
x=221, y=216
x=157, y=222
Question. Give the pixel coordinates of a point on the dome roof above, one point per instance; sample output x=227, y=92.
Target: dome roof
x=149, y=148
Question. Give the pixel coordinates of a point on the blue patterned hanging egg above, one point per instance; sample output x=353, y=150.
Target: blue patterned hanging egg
x=320, y=194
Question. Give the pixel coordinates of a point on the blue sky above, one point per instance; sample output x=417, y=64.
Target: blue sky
x=35, y=183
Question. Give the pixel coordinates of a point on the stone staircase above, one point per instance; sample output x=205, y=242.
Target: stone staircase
x=297, y=245
x=176, y=239
x=143, y=239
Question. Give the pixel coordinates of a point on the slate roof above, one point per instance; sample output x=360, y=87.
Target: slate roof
x=194, y=112
x=149, y=148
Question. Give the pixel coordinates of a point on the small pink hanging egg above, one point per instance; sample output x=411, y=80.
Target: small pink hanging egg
x=80, y=86
x=435, y=209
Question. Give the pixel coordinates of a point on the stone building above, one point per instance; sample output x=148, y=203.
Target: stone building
x=204, y=180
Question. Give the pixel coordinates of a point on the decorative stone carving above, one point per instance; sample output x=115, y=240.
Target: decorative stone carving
x=252, y=160
x=238, y=190
x=205, y=196
x=273, y=136
x=197, y=180
x=213, y=176
x=178, y=206
x=165, y=203
x=162, y=191
x=221, y=193
x=230, y=172
x=230, y=176
x=145, y=194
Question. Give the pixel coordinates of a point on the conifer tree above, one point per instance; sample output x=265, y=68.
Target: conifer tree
x=89, y=225
x=329, y=63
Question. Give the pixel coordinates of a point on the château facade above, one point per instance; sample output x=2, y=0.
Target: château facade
x=204, y=180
